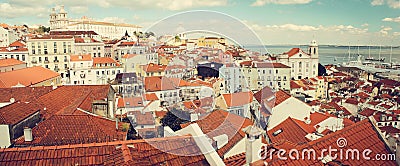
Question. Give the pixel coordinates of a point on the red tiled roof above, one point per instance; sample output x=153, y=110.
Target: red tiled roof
x=154, y=67
x=17, y=44
x=290, y=130
x=4, y=49
x=159, y=83
x=390, y=129
x=180, y=150
x=127, y=56
x=23, y=94
x=160, y=114
x=17, y=112
x=238, y=99
x=85, y=57
x=236, y=160
x=150, y=96
x=130, y=102
x=367, y=112
x=270, y=98
x=27, y=76
x=66, y=99
x=127, y=44
x=294, y=85
x=53, y=37
x=104, y=60
x=293, y=51
x=386, y=96
x=353, y=101
x=145, y=118
x=360, y=136
x=221, y=122
x=10, y=62
x=374, y=103
x=74, y=129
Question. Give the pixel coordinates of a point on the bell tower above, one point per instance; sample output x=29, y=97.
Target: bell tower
x=313, y=49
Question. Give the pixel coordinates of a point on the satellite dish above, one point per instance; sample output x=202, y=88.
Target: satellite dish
x=12, y=100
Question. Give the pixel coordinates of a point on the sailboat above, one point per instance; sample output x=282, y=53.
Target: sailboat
x=369, y=58
x=382, y=59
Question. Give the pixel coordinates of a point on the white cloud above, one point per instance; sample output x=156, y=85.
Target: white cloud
x=79, y=9
x=334, y=34
x=396, y=19
x=13, y=11
x=169, y=5
x=395, y=4
x=377, y=2
x=281, y=2
x=385, y=30
x=292, y=27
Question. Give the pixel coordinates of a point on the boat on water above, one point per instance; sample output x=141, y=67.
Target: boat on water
x=369, y=66
x=371, y=58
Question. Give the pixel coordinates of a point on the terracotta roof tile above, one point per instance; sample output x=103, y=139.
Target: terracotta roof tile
x=150, y=96
x=104, y=60
x=154, y=67
x=353, y=101
x=238, y=99
x=126, y=102
x=181, y=150
x=361, y=136
x=85, y=57
x=127, y=56
x=221, y=122
x=159, y=83
x=10, y=62
x=23, y=94
x=17, y=44
x=17, y=112
x=27, y=76
x=294, y=85
x=66, y=99
x=367, y=112
x=142, y=118
x=270, y=98
x=73, y=129
x=289, y=130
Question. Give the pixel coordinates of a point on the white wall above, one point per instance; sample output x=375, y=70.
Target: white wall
x=240, y=147
x=5, y=140
x=291, y=107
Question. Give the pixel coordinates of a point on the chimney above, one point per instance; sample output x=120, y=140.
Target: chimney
x=253, y=143
x=307, y=120
x=221, y=141
x=194, y=117
x=28, y=134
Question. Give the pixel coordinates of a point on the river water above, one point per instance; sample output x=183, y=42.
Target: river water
x=327, y=53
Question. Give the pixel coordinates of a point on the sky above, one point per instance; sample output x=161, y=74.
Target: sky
x=339, y=22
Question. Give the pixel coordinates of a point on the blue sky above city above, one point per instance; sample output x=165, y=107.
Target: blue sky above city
x=355, y=22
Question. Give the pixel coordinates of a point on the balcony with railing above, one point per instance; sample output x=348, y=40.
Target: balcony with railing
x=46, y=61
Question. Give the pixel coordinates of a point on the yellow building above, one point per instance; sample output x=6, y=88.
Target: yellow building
x=212, y=42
